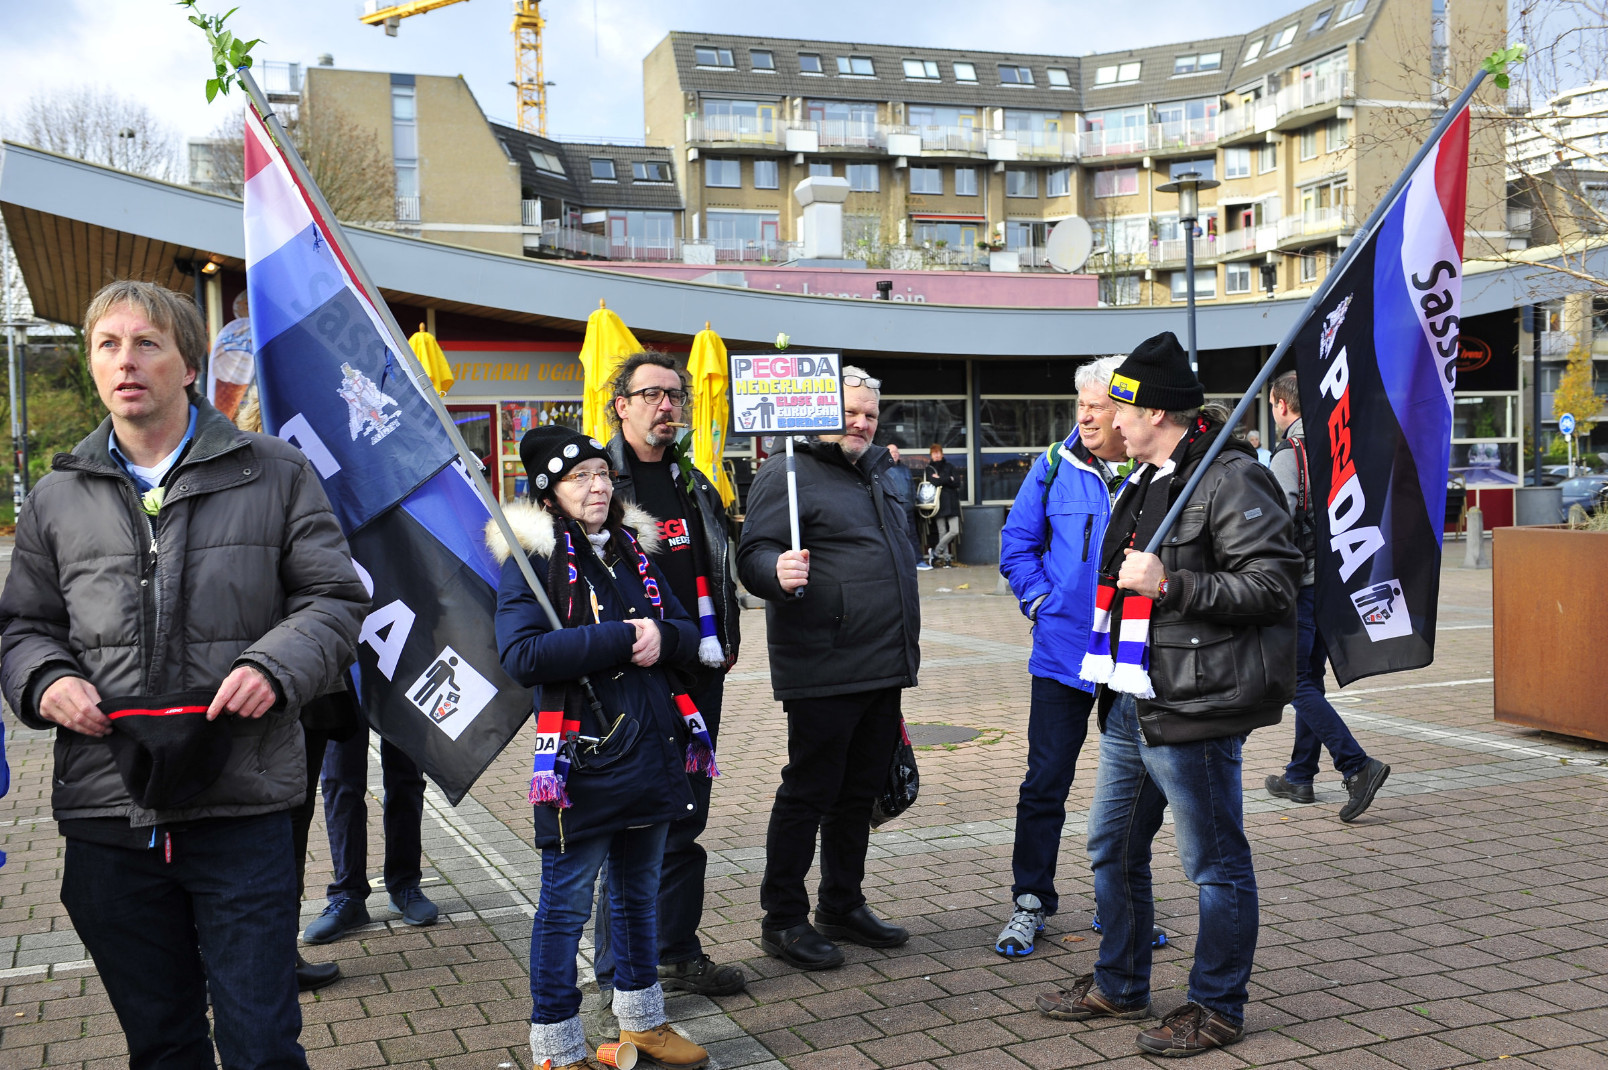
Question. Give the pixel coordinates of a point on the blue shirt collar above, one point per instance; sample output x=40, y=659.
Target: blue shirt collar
x=158, y=471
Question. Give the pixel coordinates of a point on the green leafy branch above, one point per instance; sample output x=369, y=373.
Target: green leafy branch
x=1496, y=63
x=229, y=53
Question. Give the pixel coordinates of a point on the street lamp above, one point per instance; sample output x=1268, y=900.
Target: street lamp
x=1188, y=186
x=125, y=138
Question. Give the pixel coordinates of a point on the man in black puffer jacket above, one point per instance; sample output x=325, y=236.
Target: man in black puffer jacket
x=843, y=625
x=1221, y=660
x=171, y=553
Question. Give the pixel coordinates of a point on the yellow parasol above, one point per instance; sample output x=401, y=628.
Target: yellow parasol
x=428, y=350
x=608, y=342
x=711, y=409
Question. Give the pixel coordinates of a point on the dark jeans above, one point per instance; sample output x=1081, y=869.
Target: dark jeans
x=681, y=876
x=1317, y=725
x=913, y=525
x=1057, y=724
x=838, y=753
x=221, y=916
x=346, y=815
x=301, y=816
x=568, y=878
x=1135, y=784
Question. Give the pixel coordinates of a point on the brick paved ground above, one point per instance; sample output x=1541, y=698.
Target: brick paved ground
x=1462, y=920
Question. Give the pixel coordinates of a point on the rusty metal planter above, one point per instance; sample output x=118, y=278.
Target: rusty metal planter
x=1549, y=589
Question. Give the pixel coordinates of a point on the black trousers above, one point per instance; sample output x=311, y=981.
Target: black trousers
x=838, y=753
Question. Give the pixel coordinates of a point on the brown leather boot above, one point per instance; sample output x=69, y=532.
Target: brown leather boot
x=663, y=1046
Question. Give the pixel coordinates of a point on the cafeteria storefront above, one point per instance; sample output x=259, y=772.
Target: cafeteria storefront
x=500, y=390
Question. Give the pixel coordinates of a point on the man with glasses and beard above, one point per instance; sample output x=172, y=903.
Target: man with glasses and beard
x=843, y=625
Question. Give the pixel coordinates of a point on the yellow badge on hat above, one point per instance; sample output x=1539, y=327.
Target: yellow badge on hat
x=1124, y=388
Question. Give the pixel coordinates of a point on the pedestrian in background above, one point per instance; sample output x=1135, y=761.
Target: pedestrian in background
x=946, y=521
x=902, y=480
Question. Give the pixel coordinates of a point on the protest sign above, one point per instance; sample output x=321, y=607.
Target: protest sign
x=791, y=393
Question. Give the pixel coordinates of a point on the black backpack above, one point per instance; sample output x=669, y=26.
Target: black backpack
x=1306, y=527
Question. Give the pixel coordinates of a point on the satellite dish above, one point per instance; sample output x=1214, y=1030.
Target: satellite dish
x=1069, y=244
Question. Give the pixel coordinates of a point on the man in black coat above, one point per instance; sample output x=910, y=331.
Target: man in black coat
x=951, y=486
x=844, y=623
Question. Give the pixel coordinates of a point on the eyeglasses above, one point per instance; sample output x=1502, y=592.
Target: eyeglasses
x=653, y=395
x=583, y=480
x=861, y=380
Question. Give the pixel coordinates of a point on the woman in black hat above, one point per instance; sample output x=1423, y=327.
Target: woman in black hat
x=610, y=764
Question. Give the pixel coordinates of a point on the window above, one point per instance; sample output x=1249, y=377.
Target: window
x=1255, y=49
x=809, y=63
x=726, y=174
x=405, y=150
x=1125, y=237
x=965, y=181
x=761, y=59
x=546, y=161
x=1119, y=290
x=713, y=57
x=631, y=231
x=924, y=69
x=1059, y=79
x=1205, y=284
x=1309, y=142
x=863, y=177
x=1285, y=36
x=1205, y=168
x=766, y=174
x=1116, y=182
x=1194, y=63
x=650, y=171
x=1237, y=162
x=1336, y=134
x=602, y=170
x=820, y=170
x=742, y=230
x=1237, y=278
x=1021, y=183
x=1059, y=182
x=1309, y=266
x=1116, y=74
x=1351, y=9
x=856, y=66
x=1022, y=234
x=937, y=115
x=1013, y=75
x=926, y=180
x=1267, y=158
x=965, y=72
x=1319, y=21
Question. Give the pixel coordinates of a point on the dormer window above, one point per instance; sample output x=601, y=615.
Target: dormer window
x=856, y=66
x=925, y=70
x=809, y=63
x=965, y=72
x=1059, y=79
x=1009, y=74
x=1117, y=74
x=602, y=170
x=708, y=56
x=761, y=59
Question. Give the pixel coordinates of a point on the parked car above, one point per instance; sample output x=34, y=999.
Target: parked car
x=1584, y=491
x=1548, y=478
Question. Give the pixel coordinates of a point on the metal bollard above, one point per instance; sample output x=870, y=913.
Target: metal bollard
x=1474, y=540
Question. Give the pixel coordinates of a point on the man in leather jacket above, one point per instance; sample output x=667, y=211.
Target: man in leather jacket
x=1221, y=648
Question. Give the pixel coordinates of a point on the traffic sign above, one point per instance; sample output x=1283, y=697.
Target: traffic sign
x=1566, y=423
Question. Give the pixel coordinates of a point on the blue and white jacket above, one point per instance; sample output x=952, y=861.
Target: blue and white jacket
x=1050, y=548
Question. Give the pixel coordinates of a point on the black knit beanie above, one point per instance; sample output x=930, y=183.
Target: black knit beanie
x=1156, y=375
x=550, y=451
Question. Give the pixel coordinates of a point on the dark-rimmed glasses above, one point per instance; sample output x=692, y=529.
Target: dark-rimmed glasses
x=654, y=394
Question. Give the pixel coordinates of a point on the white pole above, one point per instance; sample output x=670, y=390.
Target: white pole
x=792, y=494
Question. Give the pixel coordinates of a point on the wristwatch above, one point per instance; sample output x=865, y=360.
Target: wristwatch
x=1161, y=589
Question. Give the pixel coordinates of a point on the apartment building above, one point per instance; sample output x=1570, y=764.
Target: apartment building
x=953, y=154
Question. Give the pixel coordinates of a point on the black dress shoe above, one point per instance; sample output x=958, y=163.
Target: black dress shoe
x=311, y=976
x=801, y=946
x=860, y=926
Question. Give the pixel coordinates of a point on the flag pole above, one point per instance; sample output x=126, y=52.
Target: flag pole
x=421, y=381
x=1317, y=299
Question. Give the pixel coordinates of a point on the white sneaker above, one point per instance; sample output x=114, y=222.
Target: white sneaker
x=1016, y=939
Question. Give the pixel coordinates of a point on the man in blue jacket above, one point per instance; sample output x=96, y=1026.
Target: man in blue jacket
x=1050, y=554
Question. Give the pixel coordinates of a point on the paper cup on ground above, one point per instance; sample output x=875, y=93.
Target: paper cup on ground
x=622, y=1054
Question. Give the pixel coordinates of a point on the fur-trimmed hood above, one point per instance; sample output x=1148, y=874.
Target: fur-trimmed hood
x=533, y=527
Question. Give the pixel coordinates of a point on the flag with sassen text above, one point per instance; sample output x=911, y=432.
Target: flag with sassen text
x=332, y=382
x=1377, y=365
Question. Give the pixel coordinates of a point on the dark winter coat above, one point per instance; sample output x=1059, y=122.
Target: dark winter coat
x=649, y=786
x=243, y=565
x=945, y=475
x=1222, y=643
x=858, y=625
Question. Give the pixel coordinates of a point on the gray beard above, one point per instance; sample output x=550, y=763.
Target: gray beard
x=653, y=441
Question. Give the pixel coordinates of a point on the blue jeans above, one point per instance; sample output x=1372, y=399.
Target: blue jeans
x=1317, y=725
x=220, y=916
x=345, y=784
x=681, y=876
x=568, y=878
x=1201, y=782
x=1056, y=727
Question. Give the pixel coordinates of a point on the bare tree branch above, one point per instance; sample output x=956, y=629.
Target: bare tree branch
x=103, y=127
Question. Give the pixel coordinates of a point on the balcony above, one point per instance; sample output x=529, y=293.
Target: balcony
x=1249, y=240
x=1318, y=222
x=1293, y=103
x=1171, y=250
x=1187, y=135
x=407, y=210
x=742, y=250
x=813, y=135
x=530, y=213
x=574, y=243
x=936, y=140
x=763, y=131
x=1556, y=343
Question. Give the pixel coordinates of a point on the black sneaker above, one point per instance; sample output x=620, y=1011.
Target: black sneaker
x=1280, y=788
x=1362, y=788
x=702, y=976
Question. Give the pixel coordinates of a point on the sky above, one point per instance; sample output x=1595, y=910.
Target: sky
x=593, y=48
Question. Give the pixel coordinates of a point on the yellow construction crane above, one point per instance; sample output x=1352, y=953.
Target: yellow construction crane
x=530, y=87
